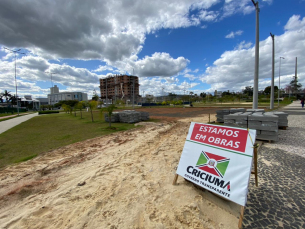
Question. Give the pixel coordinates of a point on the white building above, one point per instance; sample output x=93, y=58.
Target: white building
x=57, y=96
x=29, y=103
x=218, y=94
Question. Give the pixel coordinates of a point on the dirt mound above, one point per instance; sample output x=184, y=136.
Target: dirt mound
x=123, y=180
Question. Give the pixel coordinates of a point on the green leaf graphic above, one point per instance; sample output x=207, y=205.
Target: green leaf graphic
x=202, y=160
x=222, y=167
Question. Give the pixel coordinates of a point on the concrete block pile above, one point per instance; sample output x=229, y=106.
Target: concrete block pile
x=259, y=111
x=128, y=116
x=144, y=116
x=237, y=110
x=266, y=126
x=114, y=117
x=283, y=118
x=238, y=119
x=221, y=113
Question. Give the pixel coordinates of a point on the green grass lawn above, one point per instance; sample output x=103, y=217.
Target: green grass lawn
x=46, y=132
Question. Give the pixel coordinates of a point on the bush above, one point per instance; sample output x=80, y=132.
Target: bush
x=48, y=112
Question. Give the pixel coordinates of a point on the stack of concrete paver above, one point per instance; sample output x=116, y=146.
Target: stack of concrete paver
x=283, y=118
x=220, y=114
x=144, y=116
x=239, y=119
x=237, y=110
x=128, y=116
x=266, y=126
x=262, y=111
x=114, y=117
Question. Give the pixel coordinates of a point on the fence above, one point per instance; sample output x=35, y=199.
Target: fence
x=11, y=110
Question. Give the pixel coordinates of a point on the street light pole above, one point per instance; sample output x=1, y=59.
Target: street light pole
x=278, y=92
x=255, y=88
x=272, y=77
x=15, y=52
x=51, y=73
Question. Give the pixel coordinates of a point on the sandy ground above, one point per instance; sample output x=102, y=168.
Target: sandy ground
x=123, y=180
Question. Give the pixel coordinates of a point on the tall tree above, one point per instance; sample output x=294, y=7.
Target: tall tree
x=7, y=94
x=248, y=91
x=203, y=95
x=295, y=85
x=109, y=110
x=1, y=97
x=80, y=107
x=92, y=105
x=95, y=96
x=267, y=90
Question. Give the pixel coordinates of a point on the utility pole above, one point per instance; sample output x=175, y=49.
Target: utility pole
x=272, y=76
x=278, y=92
x=51, y=73
x=296, y=75
x=15, y=52
x=133, y=93
x=256, y=69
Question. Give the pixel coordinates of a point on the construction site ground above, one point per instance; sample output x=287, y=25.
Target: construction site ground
x=124, y=180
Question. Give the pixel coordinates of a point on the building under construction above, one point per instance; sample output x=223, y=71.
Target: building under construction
x=119, y=87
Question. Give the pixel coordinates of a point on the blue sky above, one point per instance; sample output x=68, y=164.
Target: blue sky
x=197, y=46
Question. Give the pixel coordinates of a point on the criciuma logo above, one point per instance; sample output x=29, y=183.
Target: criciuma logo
x=211, y=168
x=212, y=163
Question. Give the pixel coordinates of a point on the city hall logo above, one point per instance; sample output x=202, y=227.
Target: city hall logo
x=213, y=164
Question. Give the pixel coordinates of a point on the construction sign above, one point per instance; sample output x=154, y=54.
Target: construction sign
x=219, y=159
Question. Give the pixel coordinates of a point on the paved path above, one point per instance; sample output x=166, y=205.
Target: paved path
x=279, y=200
x=8, y=124
x=9, y=116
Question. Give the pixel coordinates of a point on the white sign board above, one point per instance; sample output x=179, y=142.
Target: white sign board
x=219, y=159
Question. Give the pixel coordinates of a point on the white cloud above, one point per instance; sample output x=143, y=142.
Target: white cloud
x=243, y=45
x=98, y=29
x=268, y=1
x=233, y=34
x=103, y=68
x=235, y=69
x=294, y=23
x=205, y=15
x=159, y=64
x=233, y=7
x=32, y=69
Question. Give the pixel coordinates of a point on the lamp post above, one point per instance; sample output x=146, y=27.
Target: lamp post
x=255, y=88
x=51, y=74
x=15, y=52
x=278, y=93
x=272, y=77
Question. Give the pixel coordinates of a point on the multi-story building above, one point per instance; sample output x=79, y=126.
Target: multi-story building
x=57, y=96
x=121, y=87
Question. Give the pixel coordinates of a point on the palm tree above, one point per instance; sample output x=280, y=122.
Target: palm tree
x=7, y=95
x=1, y=97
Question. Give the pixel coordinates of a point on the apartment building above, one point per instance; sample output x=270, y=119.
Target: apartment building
x=121, y=87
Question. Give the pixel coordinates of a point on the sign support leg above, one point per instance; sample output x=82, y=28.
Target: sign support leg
x=175, y=179
x=255, y=166
x=240, y=223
